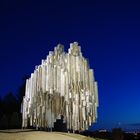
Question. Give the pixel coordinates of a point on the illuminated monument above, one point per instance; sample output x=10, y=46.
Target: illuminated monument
x=62, y=85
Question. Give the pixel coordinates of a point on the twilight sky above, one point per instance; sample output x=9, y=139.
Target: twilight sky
x=108, y=33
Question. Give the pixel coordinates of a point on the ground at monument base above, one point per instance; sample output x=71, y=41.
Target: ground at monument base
x=39, y=135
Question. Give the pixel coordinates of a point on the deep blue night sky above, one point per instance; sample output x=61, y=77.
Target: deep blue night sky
x=109, y=35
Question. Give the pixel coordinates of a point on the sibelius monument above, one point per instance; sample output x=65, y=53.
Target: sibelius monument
x=62, y=85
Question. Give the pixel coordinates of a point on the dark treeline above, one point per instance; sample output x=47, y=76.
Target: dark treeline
x=115, y=134
x=10, y=108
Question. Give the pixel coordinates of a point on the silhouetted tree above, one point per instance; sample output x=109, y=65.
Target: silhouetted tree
x=21, y=91
x=15, y=121
x=9, y=104
x=117, y=134
x=1, y=113
x=4, y=122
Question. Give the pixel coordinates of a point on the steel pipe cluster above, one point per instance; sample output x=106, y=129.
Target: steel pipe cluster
x=62, y=85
